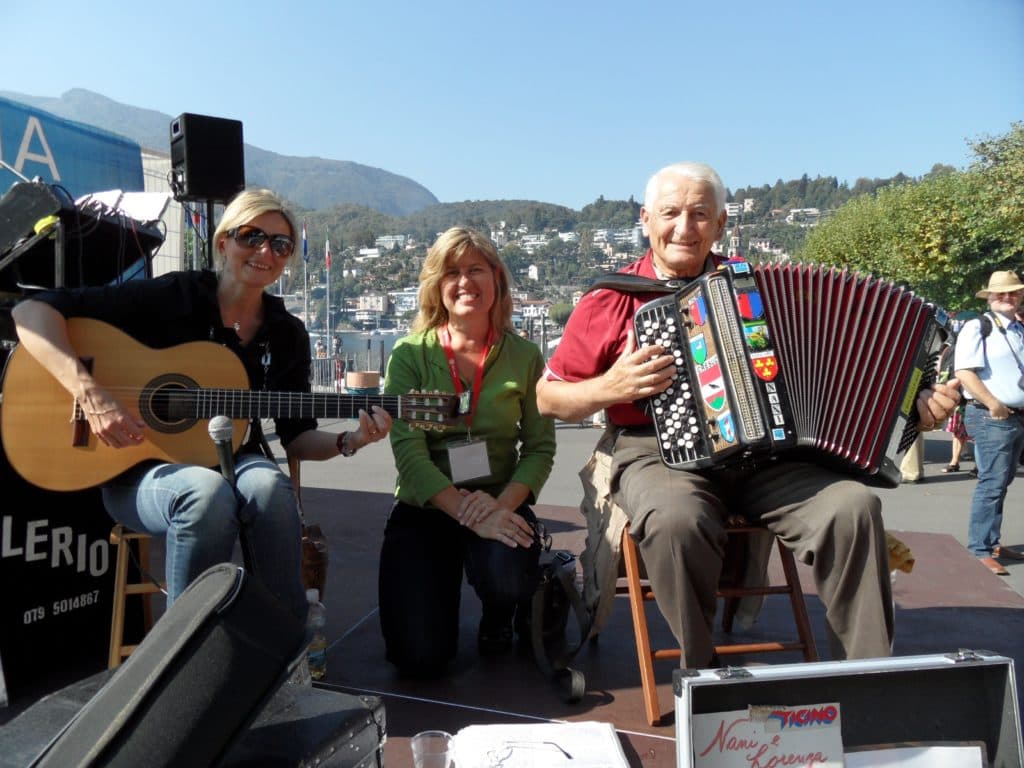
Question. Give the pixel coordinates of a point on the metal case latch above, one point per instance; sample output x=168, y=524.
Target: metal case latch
x=964, y=654
x=733, y=673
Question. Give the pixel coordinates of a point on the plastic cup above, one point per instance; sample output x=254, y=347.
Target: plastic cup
x=432, y=749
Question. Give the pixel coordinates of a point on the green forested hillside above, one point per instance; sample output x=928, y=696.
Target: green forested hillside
x=822, y=192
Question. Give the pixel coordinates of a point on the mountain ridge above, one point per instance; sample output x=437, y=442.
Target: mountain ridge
x=314, y=183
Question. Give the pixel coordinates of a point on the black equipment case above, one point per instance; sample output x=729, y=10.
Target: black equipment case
x=188, y=692
x=321, y=727
x=965, y=697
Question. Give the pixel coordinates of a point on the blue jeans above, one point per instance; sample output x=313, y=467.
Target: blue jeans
x=202, y=517
x=997, y=448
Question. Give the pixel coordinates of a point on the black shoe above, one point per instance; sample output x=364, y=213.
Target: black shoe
x=495, y=633
x=494, y=639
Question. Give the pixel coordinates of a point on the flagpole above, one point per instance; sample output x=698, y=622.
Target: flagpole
x=327, y=264
x=305, y=275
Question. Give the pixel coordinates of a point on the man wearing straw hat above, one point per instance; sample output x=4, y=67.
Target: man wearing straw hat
x=989, y=362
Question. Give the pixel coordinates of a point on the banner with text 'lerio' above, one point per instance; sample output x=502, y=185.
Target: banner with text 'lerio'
x=81, y=158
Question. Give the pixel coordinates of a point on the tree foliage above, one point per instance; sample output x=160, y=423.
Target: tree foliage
x=822, y=192
x=613, y=214
x=942, y=236
x=559, y=313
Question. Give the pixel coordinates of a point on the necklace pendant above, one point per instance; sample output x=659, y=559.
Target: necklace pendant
x=238, y=326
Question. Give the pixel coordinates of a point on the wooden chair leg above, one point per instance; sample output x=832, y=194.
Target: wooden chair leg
x=638, y=595
x=731, y=591
x=147, y=595
x=122, y=538
x=120, y=585
x=796, y=599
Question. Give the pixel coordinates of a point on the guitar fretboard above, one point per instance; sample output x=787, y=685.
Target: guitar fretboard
x=247, y=404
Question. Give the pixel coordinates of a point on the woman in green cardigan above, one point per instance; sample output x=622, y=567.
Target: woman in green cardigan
x=463, y=493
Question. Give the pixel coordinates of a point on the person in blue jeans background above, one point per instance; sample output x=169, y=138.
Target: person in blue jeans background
x=991, y=368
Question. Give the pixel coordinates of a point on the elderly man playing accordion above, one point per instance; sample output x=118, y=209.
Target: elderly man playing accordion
x=678, y=518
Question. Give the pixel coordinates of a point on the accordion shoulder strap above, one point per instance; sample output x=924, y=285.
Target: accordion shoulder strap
x=627, y=283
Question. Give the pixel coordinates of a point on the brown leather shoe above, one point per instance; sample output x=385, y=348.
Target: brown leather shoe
x=993, y=566
x=1005, y=552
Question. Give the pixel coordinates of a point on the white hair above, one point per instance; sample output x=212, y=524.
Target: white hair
x=691, y=170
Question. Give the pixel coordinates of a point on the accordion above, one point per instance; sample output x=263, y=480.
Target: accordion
x=791, y=358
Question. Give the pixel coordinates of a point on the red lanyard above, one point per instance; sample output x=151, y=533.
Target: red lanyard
x=453, y=368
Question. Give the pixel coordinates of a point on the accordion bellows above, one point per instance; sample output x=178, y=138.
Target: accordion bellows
x=792, y=357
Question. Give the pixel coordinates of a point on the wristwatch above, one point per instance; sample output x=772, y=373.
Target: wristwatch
x=343, y=448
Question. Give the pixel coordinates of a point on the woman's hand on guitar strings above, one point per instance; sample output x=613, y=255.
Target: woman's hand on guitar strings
x=109, y=421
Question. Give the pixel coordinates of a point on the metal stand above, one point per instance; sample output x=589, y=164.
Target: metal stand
x=209, y=234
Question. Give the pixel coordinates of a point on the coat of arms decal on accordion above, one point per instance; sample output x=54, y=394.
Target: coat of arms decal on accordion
x=782, y=358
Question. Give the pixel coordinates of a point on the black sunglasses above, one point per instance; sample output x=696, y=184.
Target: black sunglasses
x=253, y=237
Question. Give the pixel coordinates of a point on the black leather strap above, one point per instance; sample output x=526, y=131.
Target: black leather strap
x=635, y=284
x=557, y=669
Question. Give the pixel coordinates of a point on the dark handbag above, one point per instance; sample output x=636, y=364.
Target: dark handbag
x=555, y=598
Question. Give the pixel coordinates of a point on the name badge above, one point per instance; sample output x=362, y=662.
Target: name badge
x=468, y=460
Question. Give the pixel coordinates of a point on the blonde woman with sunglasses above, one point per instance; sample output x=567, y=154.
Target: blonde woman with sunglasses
x=198, y=509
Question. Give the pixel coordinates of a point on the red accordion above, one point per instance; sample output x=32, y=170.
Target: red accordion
x=794, y=357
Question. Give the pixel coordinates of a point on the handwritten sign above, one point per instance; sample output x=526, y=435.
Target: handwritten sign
x=804, y=736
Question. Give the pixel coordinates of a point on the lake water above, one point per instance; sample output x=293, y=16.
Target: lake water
x=363, y=351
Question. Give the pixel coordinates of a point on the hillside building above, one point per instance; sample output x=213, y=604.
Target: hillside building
x=388, y=242
x=405, y=300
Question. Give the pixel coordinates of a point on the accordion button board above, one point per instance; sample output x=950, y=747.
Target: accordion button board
x=771, y=358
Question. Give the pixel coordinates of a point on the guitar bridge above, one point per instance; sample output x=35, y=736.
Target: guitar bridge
x=80, y=424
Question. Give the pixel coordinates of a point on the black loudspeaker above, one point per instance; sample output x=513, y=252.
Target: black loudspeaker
x=207, y=158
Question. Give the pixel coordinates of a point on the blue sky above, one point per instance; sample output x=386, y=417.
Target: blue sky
x=552, y=100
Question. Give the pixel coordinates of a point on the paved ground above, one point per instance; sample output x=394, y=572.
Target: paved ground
x=939, y=504
x=948, y=602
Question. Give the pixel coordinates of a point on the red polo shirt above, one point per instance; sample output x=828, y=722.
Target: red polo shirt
x=596, y=335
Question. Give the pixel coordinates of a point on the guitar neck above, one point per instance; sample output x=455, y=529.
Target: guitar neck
x=248, y=404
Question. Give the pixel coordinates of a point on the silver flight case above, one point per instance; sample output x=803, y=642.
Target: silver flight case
x=963, y=697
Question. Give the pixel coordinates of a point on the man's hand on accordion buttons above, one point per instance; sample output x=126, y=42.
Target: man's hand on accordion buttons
x=639, y=373
x=935, y=405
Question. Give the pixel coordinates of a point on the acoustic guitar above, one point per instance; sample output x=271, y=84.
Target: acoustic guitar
x=175, y=391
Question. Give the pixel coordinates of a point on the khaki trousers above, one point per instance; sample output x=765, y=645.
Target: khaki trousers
x=830, y=522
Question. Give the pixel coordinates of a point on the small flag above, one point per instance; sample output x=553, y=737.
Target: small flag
x=305, y=245
x=327, y=252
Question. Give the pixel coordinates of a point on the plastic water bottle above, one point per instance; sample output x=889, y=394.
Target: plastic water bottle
x=316, y=621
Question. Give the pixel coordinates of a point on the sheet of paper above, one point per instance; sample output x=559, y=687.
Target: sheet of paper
x=540, y=745
x=144, y=206
x=141, y=206
x=959, y=756
x=794, y=736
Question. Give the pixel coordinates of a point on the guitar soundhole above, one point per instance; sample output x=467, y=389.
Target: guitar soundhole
x=168, y=403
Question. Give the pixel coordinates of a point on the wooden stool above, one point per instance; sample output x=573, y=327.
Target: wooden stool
x=730, y=588
x=122, y=538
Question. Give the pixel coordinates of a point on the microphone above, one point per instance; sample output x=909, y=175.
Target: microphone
x=221, y=431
